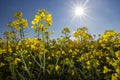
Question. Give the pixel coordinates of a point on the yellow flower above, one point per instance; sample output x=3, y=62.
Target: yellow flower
x=74, y=53
x=108, y=48
x=92, y=46
x=36, y=21
x=42, y=15
x=100, y=41
x=66, y=30
x=1, y=51
x=88, y=62
x=114, y=64
x=73, y=72
x=52, y=54
x=33, y=27
x=118, y=70
x=49, y=58
x=32, y=46
x=49, y=23
x=70, y=51
x=49, y=17
x=114, y=77
x=88, y=67
x=57, y=67
x=76, y=34
x=37, y=17
x=30, y=62
x=17, y=60
x=97, y=63
x=104, y=36
x=33, y=22
x=105, y=40
x=23, y=22
x=63, y=52
x=103, y=45
x=1, y=64
x=40, y=26
x=117, y=54
x=108, y=59
x=10, y=50
x=18, y=15
x=106, y=69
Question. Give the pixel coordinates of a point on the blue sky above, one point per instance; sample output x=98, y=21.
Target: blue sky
x=101, y=14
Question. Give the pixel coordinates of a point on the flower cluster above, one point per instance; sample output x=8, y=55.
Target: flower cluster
x=41, y=22
x=18, y=25
x=18, y=22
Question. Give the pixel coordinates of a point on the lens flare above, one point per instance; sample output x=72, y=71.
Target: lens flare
x=79, y=11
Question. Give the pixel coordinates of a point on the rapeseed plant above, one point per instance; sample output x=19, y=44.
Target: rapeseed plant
x=43, y=58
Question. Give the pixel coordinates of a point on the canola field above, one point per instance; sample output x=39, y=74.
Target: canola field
x=42, y=58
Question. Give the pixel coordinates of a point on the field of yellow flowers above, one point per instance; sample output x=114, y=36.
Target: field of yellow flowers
x=42, y=58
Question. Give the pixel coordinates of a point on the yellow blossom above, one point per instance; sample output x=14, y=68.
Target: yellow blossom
x=36, y=21
x=117, y=54
x=114, y=77
x=17, y=60
x=63, y=52
x=73, y=72
x=49, y=17
x=32, y=46
x=106, y=69
x=57, y=67
x=70, y=51
x=49, y=58
x=66, y=30
x=33, y=27
x=37, y=17
x=42, y=15
x=1, y=51
x=40, y=25
x=100, y=41
x=18, y=15
x=10, y=50
x=88, y=62
x=118, y=70
x=74, y=53
x=30, y=62
x=49, y=23
x=88, y=67
x=33, y=22
x=1, y=64
x=108, y=59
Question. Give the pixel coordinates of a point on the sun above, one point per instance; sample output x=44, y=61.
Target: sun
x=79, y=11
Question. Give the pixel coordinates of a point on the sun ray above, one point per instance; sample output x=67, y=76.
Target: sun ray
x=79, y=10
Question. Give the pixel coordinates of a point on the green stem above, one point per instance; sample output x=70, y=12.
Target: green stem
x=35, y=60
x=43, y=52
x=26, y=68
